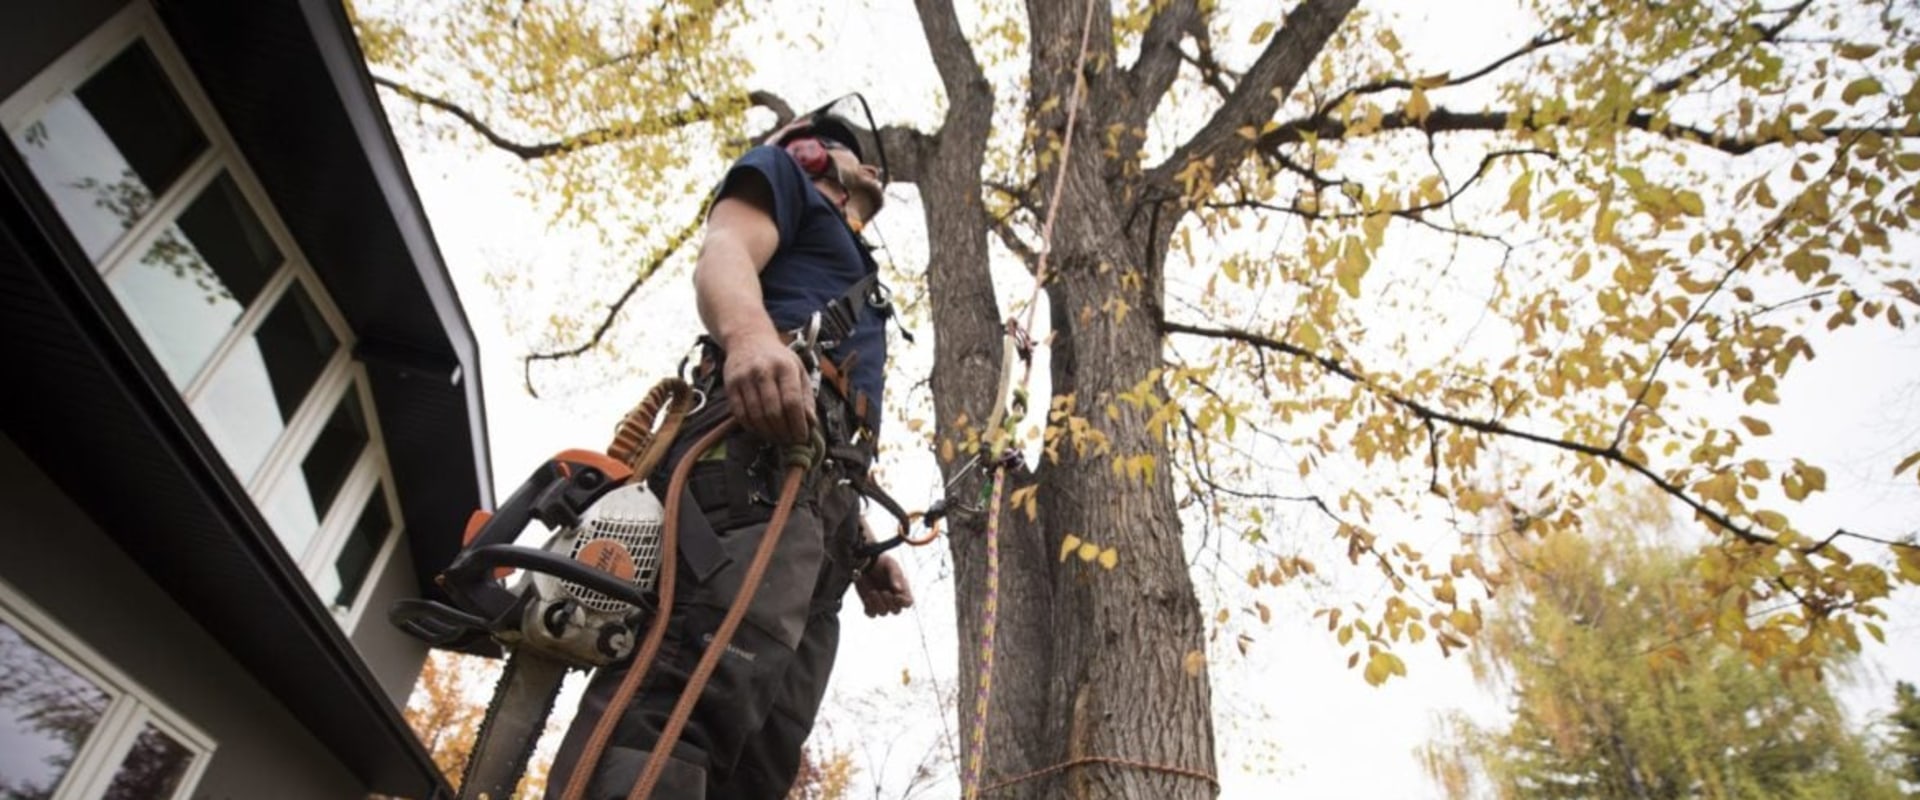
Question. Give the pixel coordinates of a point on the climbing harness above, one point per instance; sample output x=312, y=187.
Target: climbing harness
x=611, y=561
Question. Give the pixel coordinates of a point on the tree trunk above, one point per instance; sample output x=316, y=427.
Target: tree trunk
x=1090, y=663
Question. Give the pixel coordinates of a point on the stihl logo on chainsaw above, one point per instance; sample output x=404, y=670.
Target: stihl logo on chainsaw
x=609, y=556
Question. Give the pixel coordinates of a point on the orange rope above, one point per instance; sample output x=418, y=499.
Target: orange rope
x=690, y=696
x=1108, y=761
x=656, y=632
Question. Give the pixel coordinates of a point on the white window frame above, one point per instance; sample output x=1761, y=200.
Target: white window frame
x=129, y=710
x=341, y=374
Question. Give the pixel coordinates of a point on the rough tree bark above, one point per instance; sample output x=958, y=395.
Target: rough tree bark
x=1089, y=666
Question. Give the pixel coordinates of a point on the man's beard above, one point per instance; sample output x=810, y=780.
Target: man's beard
x=858, y=186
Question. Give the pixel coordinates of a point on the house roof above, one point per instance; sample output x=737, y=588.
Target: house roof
x=91, y=406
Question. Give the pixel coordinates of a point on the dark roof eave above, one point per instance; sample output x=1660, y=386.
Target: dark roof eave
x=345, y=64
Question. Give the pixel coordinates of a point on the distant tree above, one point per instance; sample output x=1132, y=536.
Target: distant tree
x=446, y=709
x=1906, y=734
x=823, y=776
x=1619, y=693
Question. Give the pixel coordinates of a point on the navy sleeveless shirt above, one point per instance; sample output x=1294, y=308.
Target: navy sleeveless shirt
x=817, y=261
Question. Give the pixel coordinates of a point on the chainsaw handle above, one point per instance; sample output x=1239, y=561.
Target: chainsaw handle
x=476, y=563
x=555, y=494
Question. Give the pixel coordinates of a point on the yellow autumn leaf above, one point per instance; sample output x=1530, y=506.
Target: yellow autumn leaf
x=1860, y=88
x=1109, y=558
x=1068, y=545
x=1756, y=427
x=1383, y=665
x=1266, y=614
x=1417, y=106
x=1906, y=464
x=1908, y=567
x=1194, y=663
x=1089, y=551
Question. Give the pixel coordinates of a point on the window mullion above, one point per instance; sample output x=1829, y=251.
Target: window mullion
x=305, y=425
x=166, y=210
x=93, y=768
x=243, y=329
x=387, y=545
x=336, y=521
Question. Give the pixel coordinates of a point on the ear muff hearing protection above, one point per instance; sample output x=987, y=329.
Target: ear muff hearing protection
x=811, y=154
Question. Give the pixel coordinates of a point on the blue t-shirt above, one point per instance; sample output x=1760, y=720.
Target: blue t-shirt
x=817, y=261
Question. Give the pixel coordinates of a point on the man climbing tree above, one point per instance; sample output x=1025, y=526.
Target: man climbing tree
x=1299, y=278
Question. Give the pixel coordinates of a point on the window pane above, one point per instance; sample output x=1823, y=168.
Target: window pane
x=330, y=461
x=303, y=497
x=200, y=274
x=341, y=584
x=153, y=768
x=107, y=150
x=255, y=390
x=47, y=711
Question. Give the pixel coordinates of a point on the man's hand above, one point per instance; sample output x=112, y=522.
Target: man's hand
x=767, y=388
x=883, y=588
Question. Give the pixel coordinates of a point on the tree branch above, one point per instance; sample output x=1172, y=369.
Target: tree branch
x=531, y=151
x=613, y=310
x=1211, y=73
x=1007, y=236
x=1443, y=120
x=953, y=56
x=1302, y=36
x=1768, y=34
x=1159, y=63
x=1428, y=413
x=907, y=151
x=1414, y=212
x=1539, y=42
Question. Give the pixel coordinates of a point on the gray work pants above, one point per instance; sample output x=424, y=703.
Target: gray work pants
x=743, y=740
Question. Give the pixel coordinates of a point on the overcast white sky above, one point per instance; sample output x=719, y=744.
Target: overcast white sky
x=1291, y=719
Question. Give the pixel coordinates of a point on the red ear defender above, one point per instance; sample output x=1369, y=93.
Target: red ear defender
x=810, y=154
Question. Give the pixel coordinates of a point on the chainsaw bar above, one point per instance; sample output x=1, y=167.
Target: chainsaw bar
x=524, y=697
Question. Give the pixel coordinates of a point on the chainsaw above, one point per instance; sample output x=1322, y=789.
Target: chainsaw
x=575, y=604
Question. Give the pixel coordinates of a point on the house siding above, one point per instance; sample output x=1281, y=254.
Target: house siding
x=37, y=33
x=77, y=576
x=394, y=658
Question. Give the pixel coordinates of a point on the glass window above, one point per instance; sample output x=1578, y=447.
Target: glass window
x=197, y=278
x=47, y=711
x=174, y=221
x=153, y=768
x=341, y=583
x=254, y=391
x=302, y=500
x=107, y=150
x=331, y=460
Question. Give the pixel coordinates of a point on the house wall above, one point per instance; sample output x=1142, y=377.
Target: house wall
x=394, y=657
x=38, y=31
x=72, y=572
